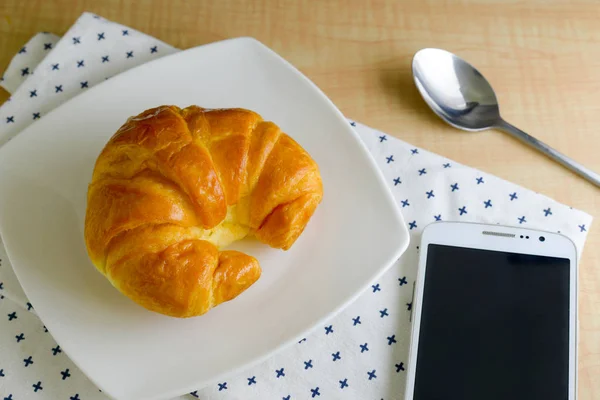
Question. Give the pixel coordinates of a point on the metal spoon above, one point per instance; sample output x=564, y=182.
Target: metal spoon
x=462, y=97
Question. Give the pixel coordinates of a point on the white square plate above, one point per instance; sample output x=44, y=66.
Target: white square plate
x=130, y=353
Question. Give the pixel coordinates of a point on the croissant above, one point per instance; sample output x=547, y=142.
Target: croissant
x=174, y=186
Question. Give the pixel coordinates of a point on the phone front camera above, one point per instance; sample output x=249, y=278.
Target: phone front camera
x=542, y=239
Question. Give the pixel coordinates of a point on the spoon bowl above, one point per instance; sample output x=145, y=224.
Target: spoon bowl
x=456, y=91
x=459, y=94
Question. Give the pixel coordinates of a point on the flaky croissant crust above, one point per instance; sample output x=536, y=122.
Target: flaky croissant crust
x=173, y=186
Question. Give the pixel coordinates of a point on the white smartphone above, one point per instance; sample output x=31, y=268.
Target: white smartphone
x=494, y=315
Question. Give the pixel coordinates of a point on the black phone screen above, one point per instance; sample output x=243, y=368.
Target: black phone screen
x=494, y=326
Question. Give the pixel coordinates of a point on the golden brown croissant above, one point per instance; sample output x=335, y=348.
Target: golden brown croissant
x=173, y=186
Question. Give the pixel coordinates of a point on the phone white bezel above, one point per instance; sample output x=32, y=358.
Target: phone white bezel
x=471, y=235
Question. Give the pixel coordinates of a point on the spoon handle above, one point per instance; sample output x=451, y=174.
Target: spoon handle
x=550, y=152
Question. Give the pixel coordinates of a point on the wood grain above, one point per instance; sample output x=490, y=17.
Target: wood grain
x=543, y=57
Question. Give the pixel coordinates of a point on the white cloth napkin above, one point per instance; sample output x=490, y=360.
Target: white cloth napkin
x=359, y=354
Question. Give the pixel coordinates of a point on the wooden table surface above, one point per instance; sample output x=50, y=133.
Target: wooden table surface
x=543, y=58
